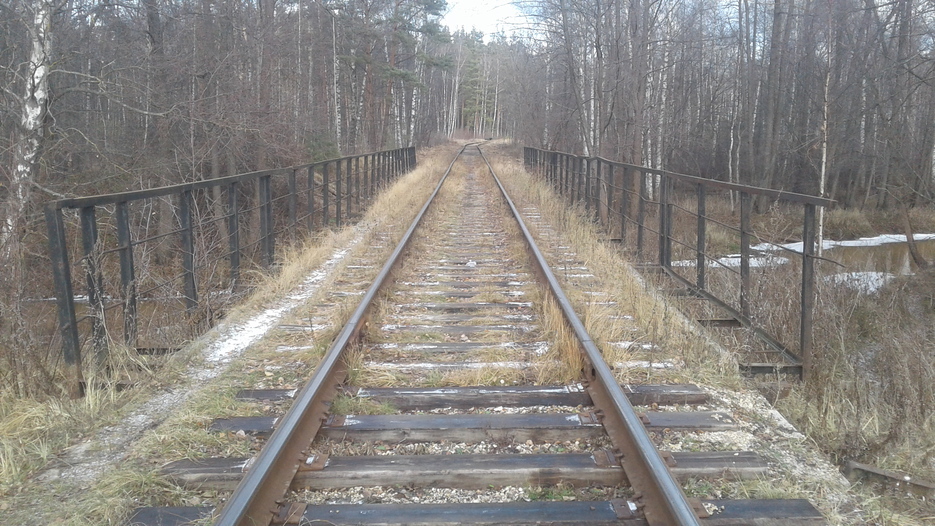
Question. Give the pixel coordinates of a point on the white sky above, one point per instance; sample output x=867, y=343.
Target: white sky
x=488, y=16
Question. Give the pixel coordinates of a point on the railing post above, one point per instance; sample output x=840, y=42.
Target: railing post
x=605, y=198
x=570, y=177
x=566, y=175
x=378, y=169
x=188, y=249
x=233, y=231
x=310, y=191
x=745, y=205
x=366, y=174
x=89, y=236
x=556, y=167
x=357, y=182
x=808, y=290
x=702, y=235
x=663, y=222
x=640, y=211
x=625, y=196
x=267, y=234
x=338, y=197
x=127, y=273
x=586, y=165
x=293, y=201
x=65, y=299
x=348, y=175
x=325, y=192
x=386, y=172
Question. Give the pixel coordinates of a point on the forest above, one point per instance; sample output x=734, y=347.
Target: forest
x=829, y=97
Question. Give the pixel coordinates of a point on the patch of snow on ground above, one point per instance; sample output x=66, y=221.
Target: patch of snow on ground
x=863, y=282
x=733, y=261
x=862, y=242
x=85, y=462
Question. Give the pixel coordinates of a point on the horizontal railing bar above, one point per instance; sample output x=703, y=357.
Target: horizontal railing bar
x=781, y=195
x=135, y=195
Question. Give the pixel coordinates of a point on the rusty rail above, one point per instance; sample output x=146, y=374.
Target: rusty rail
x=663, y=499
x=253, y=211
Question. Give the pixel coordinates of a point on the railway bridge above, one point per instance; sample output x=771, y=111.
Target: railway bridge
x=469, y=357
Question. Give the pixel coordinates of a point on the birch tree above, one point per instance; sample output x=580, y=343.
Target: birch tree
x=33, y=103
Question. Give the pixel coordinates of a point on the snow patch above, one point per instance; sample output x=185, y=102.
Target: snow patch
x=863, y=282
x=85, y=462
x=861, y=242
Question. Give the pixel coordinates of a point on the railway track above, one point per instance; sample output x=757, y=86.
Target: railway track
x=468, y=299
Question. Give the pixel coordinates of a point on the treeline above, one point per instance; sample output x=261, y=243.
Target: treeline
x=101, y=96
x=817, y=96
x=807, y=95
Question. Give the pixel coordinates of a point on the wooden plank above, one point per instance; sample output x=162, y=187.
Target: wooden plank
x=466, y=428
x=728, y=465
x=690, y=421
x=251, y=425
x=477, y=427
x=771, y=368
x=685, y=394
x=419, y=318
x=776, y=512
x=764, y=512
x=734, y=513
x=550, y=426
x=457, y=347
x=221, y=474
x=463, y=471
x=461, y=307
x=554, y=513
x=267, y=395
x=467, y=471
x=459, y=329
x=169, y=516
x=896, y=480
x=424, y=399
x=504, y=284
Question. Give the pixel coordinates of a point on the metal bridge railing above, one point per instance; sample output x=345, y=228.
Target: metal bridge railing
x=140, y=274
x=658, y=215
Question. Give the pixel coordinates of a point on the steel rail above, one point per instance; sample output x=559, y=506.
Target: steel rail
x=256, y=499
x=663, y=501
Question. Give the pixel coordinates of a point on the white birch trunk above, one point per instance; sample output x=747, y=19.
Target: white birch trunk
x=28, y=145
x=334, y=80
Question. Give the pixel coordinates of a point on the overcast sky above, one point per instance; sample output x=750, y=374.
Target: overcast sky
x=487, y=16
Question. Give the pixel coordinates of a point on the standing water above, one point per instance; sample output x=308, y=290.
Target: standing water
x=886, y=253
x=869, y=263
